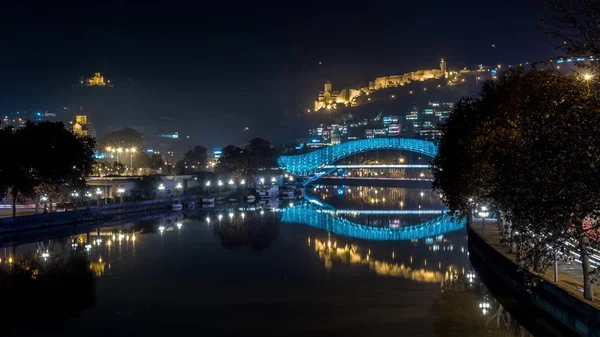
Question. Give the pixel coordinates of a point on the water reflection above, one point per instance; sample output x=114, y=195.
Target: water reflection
x=368, y=197
x=42, y=289
x=329, y=251
x=256, y=232
x=305, y=272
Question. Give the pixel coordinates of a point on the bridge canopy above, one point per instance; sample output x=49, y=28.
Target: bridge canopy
x=309, y=163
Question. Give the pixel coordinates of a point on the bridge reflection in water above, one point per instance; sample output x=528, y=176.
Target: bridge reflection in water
x=350, y=254
x=311, y=215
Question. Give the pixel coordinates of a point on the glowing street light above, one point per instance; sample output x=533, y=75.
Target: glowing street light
x=274, y=179
x=243, y=182
x=588, y=76
x=179, y=186
x=485, y=307
x=483, y=214
x=121, y=191
x=262, y=180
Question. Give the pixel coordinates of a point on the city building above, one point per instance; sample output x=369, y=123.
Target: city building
x=328, y=98
x=82, y=127
x=96, y=81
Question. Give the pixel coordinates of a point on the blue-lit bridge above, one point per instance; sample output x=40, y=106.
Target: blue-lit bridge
x=314, y=216
x=314, y=162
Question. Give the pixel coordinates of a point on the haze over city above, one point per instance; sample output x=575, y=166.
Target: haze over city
x=226, y=68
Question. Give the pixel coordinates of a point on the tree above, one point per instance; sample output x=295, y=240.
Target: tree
x=42, y=156
x=530, y=150
x=126, y=137
x=576, y=26
x=180, y=167
x=233, y=162
x=156, y=162
x=196, y=157
x=145, y=187
x=245, y=162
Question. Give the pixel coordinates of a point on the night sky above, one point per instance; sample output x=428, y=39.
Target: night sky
x=210, y=69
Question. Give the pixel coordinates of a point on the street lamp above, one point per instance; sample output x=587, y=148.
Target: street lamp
x=207, y=184
x=99, y=194
x=483, y=214
x=121, y=191
x=131, y=151
x=243, y=182
x=161, y=188
x=44, y=198
x=273, y=180
x=484, y=306
x=588, y=77
x=119, y=150
x=220, y=183
x=262, y=180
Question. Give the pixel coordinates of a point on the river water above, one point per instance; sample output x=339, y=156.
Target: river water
x=306, y=268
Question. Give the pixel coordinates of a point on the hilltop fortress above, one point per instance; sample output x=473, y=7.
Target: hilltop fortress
x=328, y=98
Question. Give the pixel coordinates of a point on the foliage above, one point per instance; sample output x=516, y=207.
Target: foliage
x=196, y=157
x=575, y=24
x=126, y=137
x=156, y=162
x=145, y=188
x=528, y=146
x=244, y=163
x=44, y=155
x=109, y=169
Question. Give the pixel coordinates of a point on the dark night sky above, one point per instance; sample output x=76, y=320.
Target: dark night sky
x=217, y=67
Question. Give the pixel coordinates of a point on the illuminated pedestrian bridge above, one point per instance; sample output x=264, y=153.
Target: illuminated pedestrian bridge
x=312, y=162
x=309, y=214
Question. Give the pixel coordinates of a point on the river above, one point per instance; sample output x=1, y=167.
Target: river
x=294, y=270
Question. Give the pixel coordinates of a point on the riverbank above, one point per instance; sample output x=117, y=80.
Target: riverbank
x=562, y=301
x=91, y=214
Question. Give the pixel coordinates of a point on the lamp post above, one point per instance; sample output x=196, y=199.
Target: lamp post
x=121, y=191
x=44, y=198
x=119, y=150
x=179, y=187
x=231, y=184
x=483, y=214
x=220, y=183
x=108, y=150
x=131, y=151
x=98, y=194
x=161, y=188
x=74, y=195
x=207, y=184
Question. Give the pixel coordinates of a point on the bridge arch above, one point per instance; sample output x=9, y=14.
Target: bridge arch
x=308, y=163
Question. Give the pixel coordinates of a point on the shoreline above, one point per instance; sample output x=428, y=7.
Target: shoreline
x=558, y=303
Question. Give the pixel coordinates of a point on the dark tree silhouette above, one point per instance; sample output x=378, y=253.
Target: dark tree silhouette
x=529, y=147
x=42, y=156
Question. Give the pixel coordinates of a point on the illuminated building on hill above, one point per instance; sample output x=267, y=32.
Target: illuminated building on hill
x=82, y=127
x=96, y=81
